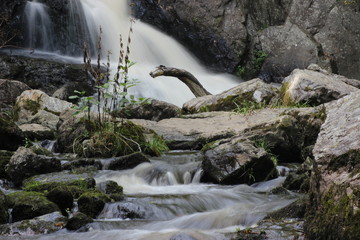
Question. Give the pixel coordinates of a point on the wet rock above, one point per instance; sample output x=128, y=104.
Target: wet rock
x=35, y=106
x=46, y=75
x=78, y=221
x=11, y=136
x=45, y=224
x=182, y=236
x=4, y=217
x=82, y=163
x=62, y=197
x=112, y=189
x=127, y=162
x=36, y=131
x=155, y=111
x=4, y=160
x=91, y=203
x=254, y=90
x=236, y=162
x=77, y=184
x=9, y=91
x=27, y=205
x=314, y=87
x=69, y=128
x=335, y=181
x=294, y=210
x=24, y=163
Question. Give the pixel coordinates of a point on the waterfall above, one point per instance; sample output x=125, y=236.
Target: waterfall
x=39, y=27
x=149, y=48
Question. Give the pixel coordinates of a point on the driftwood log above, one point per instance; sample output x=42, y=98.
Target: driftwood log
x=195, y=86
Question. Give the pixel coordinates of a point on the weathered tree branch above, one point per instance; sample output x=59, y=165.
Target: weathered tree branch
x=195, y=86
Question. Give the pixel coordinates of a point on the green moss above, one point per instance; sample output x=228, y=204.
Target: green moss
x=32, y=106
x=336, y=217
x=27, y=205
x=285, y=95
x=351, y=159
x=91, y=203
x=76, y=187
x=209, y=146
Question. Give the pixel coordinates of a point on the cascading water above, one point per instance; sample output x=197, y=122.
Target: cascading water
x=39, y=27
x=149, y=48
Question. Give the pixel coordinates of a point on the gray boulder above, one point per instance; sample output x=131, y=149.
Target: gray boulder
x=35, y=106
x=36, y=131
x=333, y=24
x=237, y=161
x=335, y=182
x=155, y=110
x=314, y=87
x=45, y=224
x=24, y=163
x=286, y=47
x=9, y=91
x=254, y=90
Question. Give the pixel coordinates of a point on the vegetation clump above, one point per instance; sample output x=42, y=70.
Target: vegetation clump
x=106, y=136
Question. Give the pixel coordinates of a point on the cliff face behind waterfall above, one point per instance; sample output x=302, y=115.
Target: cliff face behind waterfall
x=232, y=35
x=229, y=35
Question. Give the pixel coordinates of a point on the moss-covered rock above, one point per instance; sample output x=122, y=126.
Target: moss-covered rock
x=63, y=197
x=92, y=203
x=11, y=137
x=75, y=187
x=27, y=205
x=77, y=221
x=44, y=224
x=25, y=163
x=4, y=160
x=3, y=208
x=112, y=189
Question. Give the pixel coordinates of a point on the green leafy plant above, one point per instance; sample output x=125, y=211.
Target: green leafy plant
x=264, y=143
x=107, y=136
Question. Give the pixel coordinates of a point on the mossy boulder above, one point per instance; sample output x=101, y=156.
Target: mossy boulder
x=78, y=221
x=112, y=189
x=76, y=186
x=25, y=163
x=3, y=208
x=45, y=224
x=27, y=205
x=4, y=160
x=62, y=197
x=92, y=203
x=11, y=136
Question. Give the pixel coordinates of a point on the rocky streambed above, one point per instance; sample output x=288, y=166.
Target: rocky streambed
x=265, y=171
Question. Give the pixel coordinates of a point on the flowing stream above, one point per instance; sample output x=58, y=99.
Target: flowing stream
x=165, y=199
